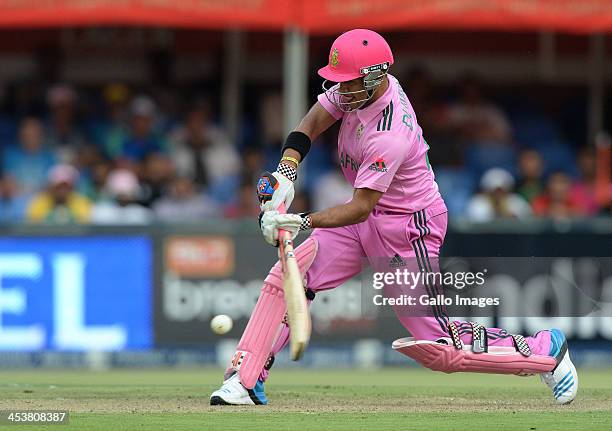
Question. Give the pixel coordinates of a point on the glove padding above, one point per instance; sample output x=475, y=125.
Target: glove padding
x=274, y=189
x=271, y=221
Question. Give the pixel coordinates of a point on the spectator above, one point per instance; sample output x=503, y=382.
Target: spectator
x=59, y=203
x=29, y=163
x=557, y=202
x=201, y=151
x=121, y=207
x=419, y=88
x=157, y=172
x=252, y=165
x=497, y=200
x=95, y=188
x=476, y=119
x=582, y=191
x=531, y=170
x=86, y=158
x=142, y=140
x=246, y=205
x=271, y=117
x=272, y=133
x=183, y=204
x=62, y=133
x=445, y=148
x=116, y=127
x=12, y=204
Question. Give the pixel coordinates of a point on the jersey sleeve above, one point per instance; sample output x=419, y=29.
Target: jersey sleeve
x=328, y=106
x=382, y=157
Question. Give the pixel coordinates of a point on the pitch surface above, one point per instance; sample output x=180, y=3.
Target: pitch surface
x=389, y=399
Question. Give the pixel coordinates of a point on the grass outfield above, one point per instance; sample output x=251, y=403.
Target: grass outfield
x=391, y=399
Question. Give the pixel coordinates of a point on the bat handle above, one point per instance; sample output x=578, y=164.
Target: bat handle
x=281, y=232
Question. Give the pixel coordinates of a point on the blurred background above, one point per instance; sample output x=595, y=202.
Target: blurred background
x=132, y=135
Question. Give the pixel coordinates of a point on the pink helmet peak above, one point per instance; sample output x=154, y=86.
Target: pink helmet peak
x=353, y=52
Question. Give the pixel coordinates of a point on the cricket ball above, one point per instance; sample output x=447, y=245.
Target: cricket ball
x=221, y=324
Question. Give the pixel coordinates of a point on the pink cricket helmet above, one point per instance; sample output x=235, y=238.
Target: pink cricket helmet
x=353, y=51
x=356, y=53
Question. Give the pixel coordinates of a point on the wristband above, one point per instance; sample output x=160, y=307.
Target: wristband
x=306, y=221
x=287, y=170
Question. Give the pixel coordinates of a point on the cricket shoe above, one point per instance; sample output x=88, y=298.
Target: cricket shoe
x=233, y=393
x=563, y=379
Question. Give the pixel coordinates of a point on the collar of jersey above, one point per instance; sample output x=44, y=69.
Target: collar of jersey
x=368, y=114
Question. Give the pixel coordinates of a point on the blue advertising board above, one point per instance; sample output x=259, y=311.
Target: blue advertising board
x=76, y=293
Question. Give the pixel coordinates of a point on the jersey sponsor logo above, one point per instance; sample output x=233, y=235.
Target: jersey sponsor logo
x=384, y=124
x=375, y=68
x=378, y=166
x=333, y=59
x=347, y=162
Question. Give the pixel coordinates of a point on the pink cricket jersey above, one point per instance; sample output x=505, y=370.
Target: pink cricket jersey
x=381, y=147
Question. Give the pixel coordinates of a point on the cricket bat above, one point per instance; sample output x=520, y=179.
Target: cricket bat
x=299, y=318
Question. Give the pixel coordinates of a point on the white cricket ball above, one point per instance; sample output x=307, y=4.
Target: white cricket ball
x=221, y=324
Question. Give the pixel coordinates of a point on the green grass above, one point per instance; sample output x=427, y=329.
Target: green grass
x=393, y=399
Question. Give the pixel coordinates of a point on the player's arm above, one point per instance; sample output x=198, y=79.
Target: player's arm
x=370, y=184
x=274, y=189
x=315, y=122
x=355, y=211
x=385, y=155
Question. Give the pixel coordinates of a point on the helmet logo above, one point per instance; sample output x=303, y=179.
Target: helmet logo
x=333, y=58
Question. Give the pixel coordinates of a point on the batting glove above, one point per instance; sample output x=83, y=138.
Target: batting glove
x=274, y=189
x=272, y=221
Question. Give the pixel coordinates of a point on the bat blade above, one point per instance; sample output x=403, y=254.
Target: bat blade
x=299, y=318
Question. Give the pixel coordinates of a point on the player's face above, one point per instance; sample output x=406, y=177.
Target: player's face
x=353, y=92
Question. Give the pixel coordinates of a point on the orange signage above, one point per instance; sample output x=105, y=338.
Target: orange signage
x=199, y=256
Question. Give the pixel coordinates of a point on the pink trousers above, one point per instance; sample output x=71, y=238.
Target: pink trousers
x=416, y=238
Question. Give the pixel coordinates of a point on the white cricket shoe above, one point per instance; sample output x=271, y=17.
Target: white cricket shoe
x=233, y=393
x=563, y=380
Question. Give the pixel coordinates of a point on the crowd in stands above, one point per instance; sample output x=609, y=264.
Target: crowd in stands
x=494, y=163
x=136, y=161
x=134, y=166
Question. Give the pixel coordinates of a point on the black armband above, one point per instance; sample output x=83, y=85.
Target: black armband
x=299, y=142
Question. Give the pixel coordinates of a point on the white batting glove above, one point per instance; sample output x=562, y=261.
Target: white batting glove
x=272, y=221
x=274, y=189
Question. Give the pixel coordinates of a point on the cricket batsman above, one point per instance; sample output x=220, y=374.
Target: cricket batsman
x=396, y=211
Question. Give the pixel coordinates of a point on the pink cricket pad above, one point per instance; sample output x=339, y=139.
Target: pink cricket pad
x=448, y=359
x=263, y=327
